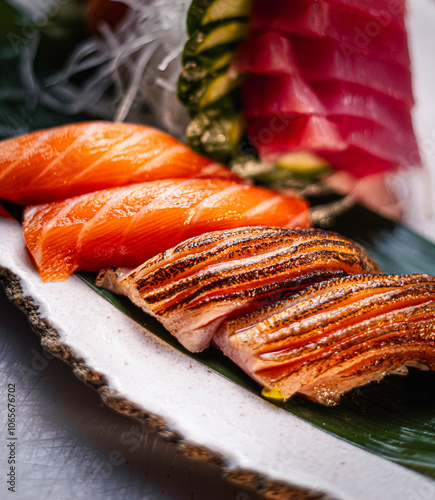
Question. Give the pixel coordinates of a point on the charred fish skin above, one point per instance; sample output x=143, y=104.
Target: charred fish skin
x=336, y=335
x=222, y=246
x=199, y=283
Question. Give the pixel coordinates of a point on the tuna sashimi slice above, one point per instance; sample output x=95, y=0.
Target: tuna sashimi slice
x=267, y=53
x=275, y=136
x=378, y=140
x=327, y=61
x=274, y=53
x=270, y=95
x=125, y=226
x=336, y=335
x=58, y=163
x=373, y=147
x=384, y=11
x=343, y=98
x=357, y=162
x=193, y=287
x=326, y=21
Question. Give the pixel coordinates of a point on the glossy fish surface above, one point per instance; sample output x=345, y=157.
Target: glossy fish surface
x=198, y=284
x=127, y=225
x=336, y=335
x=58, y=163
x=332, y=79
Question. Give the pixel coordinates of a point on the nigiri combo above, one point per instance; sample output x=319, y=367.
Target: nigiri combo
x=217, y=260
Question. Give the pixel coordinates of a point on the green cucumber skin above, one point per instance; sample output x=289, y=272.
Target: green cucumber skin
x=218, y=88
x=197, y=73
x=216, y=125
x=192, y=43
x=278, y=176
x=190, y=51
x=195, y=14
x=192, y=87
x=198, y=10
x=200, y=128
x=211, y=131
x=190, y=82
x=195, y=88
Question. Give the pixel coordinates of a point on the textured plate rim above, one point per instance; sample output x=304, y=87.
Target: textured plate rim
x=51, y=341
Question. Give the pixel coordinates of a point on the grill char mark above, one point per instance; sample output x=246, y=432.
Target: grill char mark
x=342, y=252
x=209, y=284
x=196, y=285
x=336, y=335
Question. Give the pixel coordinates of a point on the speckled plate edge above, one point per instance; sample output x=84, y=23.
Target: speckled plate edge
x=208, y=417
x=51, y=341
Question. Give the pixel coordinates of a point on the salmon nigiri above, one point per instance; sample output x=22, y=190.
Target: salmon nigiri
x=127, y=225
x=71, y=160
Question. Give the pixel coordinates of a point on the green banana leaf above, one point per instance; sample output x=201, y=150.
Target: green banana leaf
x=394, y=418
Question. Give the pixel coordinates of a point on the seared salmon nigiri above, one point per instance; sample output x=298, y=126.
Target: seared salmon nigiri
x=336, y=335
x=201, y=282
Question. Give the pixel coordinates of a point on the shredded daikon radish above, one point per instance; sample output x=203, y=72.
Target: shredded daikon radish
x=131, y=71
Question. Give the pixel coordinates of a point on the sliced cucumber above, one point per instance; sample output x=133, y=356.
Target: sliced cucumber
x=219, y=87
x=195, y=71
x=221, y=61
x=215, y=134
x=235, y=31
x=303, y=164
x=198, y=93
x=192, y=73
x=300, y=168
x=207, y=85
x=201, y=41
x=202, y=12
x=225, y=9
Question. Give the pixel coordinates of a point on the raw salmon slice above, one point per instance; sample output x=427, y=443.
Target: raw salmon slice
x=127, y=225
x=75, y=159
x=198, y=284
